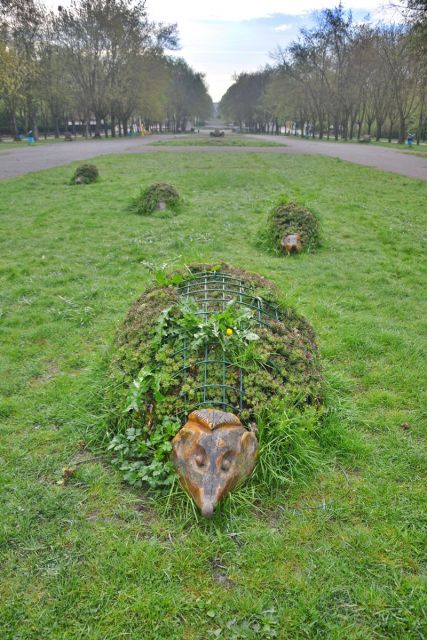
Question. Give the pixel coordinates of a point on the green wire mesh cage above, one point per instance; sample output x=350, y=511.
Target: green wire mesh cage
x=216, y=381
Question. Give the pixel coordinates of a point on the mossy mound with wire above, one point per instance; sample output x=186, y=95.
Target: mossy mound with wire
x=151, y=198
x=85, y=174
x=290, y=217
x=209, y=337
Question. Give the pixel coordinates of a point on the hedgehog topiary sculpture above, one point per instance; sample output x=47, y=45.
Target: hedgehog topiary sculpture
x=293, y=228
x=213, y=344
x=85, y=174
x=158, y=196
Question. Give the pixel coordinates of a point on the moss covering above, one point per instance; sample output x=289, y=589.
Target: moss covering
x=84, y=174
x=289, y=217
x=148, y=199
x=283, y=363
x=158, y=373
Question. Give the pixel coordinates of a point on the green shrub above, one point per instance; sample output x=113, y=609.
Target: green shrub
x=290, y=217
x=150, y=394
x=84, y=174
x=148, y=199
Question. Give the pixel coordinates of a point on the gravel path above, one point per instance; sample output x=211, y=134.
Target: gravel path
x=22, y=160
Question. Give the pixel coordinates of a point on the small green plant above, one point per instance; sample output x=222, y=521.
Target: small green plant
x=231, y=329
x=142, y=455
x=85, y=174
x=290, y=217
x=155, y=196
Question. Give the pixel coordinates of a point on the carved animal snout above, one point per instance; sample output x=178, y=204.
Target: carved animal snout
x=212, y=453
x=291, y=243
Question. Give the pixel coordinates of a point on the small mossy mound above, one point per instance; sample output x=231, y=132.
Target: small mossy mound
x=290, y=217
x=208, y=337
x=85, y=174
x=152, y=197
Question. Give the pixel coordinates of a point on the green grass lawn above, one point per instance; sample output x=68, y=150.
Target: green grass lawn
x=41, y=141
x=205, y=140
x=341, y=554
x=10, y=144
x=419, y=149
x=415, y=149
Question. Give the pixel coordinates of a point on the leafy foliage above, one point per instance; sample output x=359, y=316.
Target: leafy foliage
x=148, y=199
x=142, y=455
x=85, y=174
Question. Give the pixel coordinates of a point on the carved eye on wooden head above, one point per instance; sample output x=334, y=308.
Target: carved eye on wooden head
x=200, y=460
x=226, y=462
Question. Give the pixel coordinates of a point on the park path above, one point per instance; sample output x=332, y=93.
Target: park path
x=22, y=160
x=405, y=163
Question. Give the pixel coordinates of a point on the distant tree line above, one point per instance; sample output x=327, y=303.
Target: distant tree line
x=340, y=79
x=97, y=66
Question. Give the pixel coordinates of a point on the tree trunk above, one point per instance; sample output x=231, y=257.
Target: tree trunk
x=33, y=120
x=125, y=126
x=56, y=128
x=419, y=128
x=402, y=129
x=14, y=124
x=390, y=133
x=336, y=129
x=97, y=126
x=345, y=129
x=352, y=125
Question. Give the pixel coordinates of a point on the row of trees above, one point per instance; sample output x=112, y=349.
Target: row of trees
x=339, y=78
x=99, y=61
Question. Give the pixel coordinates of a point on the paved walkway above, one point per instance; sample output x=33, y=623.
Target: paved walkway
x=22, y=160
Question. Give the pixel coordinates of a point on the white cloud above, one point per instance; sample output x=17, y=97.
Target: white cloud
x=239, y=10
x=190, y=11
x=283, y=27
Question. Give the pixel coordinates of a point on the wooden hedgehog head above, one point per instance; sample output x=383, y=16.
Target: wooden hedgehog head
x=292, y=243
x=212, y=453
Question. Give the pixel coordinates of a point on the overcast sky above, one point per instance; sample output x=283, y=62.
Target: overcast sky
x=223, y=37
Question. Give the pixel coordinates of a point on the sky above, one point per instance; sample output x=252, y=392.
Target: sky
x=223, y=37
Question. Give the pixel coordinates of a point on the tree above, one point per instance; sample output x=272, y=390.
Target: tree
x=338, y=76
x=104, y=40
x=22, y=30
x=13, y=74
x=187, y=95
